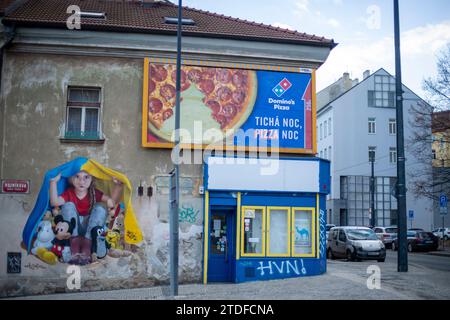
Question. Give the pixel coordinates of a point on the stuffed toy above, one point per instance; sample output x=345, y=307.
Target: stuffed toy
x=43, y=243
x=99, y=245
x=61, y=243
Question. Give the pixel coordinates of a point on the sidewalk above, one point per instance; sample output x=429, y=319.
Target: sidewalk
x=343, y=281
x=441, y=252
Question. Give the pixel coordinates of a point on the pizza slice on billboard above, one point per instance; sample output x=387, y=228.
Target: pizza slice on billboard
x=228, y=93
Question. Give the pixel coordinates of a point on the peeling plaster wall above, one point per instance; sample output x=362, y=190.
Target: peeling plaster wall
x=34, y=104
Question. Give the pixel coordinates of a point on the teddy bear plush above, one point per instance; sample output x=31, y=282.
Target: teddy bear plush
x=43, y=243
x=61, y=242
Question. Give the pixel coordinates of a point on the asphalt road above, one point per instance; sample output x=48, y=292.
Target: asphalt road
x=423, y=259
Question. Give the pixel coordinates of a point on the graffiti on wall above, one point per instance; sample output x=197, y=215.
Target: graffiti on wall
x=322, y=236
x=281, y=267
x=187, y=213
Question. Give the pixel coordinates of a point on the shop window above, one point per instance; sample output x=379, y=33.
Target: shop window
x=303, y=225
x=253, y=221
x=83, y=113
x=278, y=231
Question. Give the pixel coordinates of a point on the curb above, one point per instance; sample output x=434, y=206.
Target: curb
x=440, y=254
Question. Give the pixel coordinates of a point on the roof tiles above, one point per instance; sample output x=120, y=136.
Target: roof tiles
x=134, y=16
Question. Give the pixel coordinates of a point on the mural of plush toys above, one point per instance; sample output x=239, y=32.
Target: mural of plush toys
x=43, y=243
x=115, y=236
x=78, y=189
x=61, y=243
x=99, y=245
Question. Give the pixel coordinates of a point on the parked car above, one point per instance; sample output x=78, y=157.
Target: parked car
x=418, y=240
x=328, y=227
x=438, y=233
x=355, y=243
x=386, y=234
x=416, y=229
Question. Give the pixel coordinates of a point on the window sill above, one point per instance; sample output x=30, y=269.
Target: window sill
x=81, y=140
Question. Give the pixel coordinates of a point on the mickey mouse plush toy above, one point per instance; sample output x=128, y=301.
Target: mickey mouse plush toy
x=61, y=243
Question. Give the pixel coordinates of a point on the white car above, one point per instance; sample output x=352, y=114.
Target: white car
x=386, y=234
x=328, y=227
x=438, y=233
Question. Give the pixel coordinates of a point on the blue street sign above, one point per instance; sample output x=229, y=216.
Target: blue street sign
x=443, y=200
x=411, y=214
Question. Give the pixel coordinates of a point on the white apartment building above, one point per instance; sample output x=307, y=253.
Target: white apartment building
x=354, y=118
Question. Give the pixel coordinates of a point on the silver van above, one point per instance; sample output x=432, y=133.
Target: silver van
x=355, y=243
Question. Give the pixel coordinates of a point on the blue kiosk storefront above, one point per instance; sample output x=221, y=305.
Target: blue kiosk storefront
x=264, y=218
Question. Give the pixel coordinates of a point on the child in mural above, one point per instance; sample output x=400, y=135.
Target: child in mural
x=82, y=202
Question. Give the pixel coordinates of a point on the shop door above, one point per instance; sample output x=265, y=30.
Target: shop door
x=221, y=246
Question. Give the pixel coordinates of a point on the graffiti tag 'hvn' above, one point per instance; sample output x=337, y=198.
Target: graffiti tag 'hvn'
x=322, y=234
x=281, y=267
x=188, y=214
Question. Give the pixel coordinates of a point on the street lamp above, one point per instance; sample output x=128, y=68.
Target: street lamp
x=175, y=199
x=402, y=265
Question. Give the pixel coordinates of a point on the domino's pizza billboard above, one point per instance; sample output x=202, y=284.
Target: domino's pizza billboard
x=225, y=107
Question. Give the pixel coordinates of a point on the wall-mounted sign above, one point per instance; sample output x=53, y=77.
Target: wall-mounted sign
x=14, y=262
x=229, y=108
x=15, y=186
x=249, y=213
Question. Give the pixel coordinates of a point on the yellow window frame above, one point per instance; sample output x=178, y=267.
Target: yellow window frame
x=313, y=232
x=288, y=253
x=263, y=232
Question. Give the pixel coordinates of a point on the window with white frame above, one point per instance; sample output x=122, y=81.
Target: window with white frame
x=372, y=153
x=384, y=93
x=321, y=154
x=372, y=126
x=392, y=126
x=393, y=155
x=329, y=126
x=325, y=154
x=325, y=127
x=83, y=113
x=329, y=153
x=321, y=132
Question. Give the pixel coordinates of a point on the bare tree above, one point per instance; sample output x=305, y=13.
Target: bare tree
x=431, y=123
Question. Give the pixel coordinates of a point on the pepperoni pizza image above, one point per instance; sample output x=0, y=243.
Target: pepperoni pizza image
x=220, y=98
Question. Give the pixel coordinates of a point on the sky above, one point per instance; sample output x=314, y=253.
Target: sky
x=363, y=29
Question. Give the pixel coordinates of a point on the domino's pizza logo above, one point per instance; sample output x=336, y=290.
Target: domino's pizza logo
x=282, y=87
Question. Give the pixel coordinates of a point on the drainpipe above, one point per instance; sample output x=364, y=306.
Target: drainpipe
x=10, y=32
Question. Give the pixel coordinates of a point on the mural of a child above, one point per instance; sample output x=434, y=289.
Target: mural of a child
x=82, y=201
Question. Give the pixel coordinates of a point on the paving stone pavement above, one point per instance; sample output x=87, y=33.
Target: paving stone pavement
x=343, y=281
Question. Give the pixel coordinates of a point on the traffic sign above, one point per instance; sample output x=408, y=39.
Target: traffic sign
x=443, y=204
x=411, y=214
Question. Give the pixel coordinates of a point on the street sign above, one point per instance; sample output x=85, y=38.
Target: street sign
x=443, y=204
x=411, y=214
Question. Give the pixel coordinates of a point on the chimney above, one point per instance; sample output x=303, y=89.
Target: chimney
x=366, y=74
x=355, y=82
x=346, y=76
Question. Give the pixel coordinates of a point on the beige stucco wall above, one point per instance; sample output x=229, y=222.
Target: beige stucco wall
x=34, y=106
